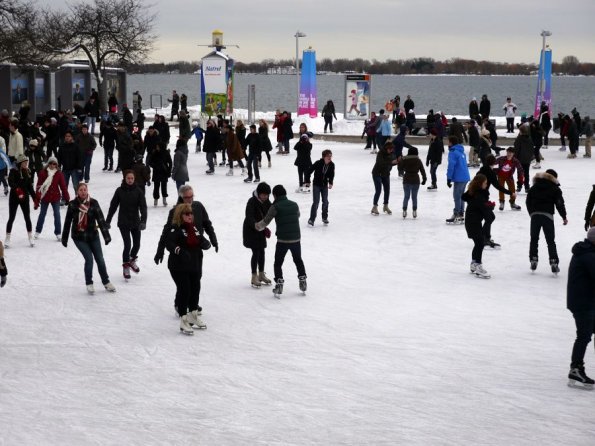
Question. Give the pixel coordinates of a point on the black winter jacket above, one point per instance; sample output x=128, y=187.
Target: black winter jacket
x=435, y=152
x=94, y=220
x=20, y=179
x=304, y=149
x=580, y=290
x=324, y=174
x=255, y=211
x=161, y=163
x=131, y=201
x=478, y=209
x=187, y=258
x=212, y=142
x=69, y=157
x=544, y=195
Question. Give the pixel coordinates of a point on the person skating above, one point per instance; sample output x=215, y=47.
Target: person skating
x=161, y=163
x=201, y=221
x=543, y=197
x=509, y=111
x=83, y=218
x=132, y=219
x=434, y=158
x=589, y=214
x=411, y=166
x=286, y=214
x=580, y=300
x=303, y=162
x=381, y=177
x=328, y=113
x=253, y=145
x=479, y=209
x=51, y=187
x=21, y=189
x=257, y=207
x=457, y=173
x=3, y=268
x=524, y=152
x=507, y=165
x=324, y=175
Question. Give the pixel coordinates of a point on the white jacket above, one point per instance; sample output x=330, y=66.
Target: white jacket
x=15, y=145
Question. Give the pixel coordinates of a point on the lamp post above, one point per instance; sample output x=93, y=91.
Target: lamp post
x=298, y=34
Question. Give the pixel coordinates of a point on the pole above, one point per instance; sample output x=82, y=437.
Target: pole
x=298, y=34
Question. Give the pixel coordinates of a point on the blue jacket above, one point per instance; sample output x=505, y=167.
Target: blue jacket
x=457, y=171
x=385, y=128
x=197, y=132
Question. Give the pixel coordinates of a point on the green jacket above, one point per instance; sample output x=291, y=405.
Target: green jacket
x=287, y=218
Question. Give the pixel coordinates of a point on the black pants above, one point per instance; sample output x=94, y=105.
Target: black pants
x=296, y=252
x=509, y=125
x=478, y=245
x=257, y=260
x=573, y=145
x=159, y=184
x=538, y=222
x=585, y=327
x=546, y=134
x=537, y=154
x=370, y=141
x=303, y=176
x=187, y=290
x=253, y=163
x=52, y=149
x=527, y=174
x=13, y=204
x=108, y=157
x=328, y=122
x=487, y=226
x=131, y=238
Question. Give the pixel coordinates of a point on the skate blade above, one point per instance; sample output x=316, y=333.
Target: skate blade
x=187, y=333
x=199, y=327
x=482, y=276
x=255, y=286
x=579, y=385
x=277, y=296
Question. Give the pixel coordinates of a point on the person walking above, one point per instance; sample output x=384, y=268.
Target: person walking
x=580, y=301
x=132, y=219
x=479, y=209
x=324, y=176
x=457, y=172
x=544, y=195
x=286, y=214
x=328, y=113
x=411, y=166
x=83, y=218
x=21, y=188
x=51, y=187
x=257, y=207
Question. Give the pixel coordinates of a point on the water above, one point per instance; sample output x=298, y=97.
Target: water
x=450, y=94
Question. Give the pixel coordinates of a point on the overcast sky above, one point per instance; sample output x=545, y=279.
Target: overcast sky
x=497, y=30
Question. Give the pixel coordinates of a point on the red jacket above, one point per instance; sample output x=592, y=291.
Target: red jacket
x=53, y=194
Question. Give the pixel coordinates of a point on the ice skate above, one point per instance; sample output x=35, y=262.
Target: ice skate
x=537, y=166
x=133, y=266
x=404, y=213
x=262, y=277
x=501, y=207
x=155, y=202
x=210, y=172
x=374, y=211
x=579, y=379
x=58, y=237
x=229, y=173
x=325, y=220
x=164, y=201
x=533, y=264
x=194, y=321
x=492, y=244
x=126, y=270
x=562, y=149
x=387, y=210
x=270, y=165
x=256, y=180
x=311, y=223
x=452, y=220
x=255, y=283
x=554, y=266
x=109, y=287
x=480, y=272
x=278, y=289
x=515, y=207
x=303, y=284
x=414, y=213
x=185, y=327
x=432, y=187
x=247, y=180
x=90, y=289
x=243, y=171
x=473, y=267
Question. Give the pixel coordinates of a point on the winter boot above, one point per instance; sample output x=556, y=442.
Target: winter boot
x=278, y=289
x=514, y=206
x=554, y=266
x=501, y=207
x=578, y=378
x=262, y=276
x=185, y=327
x=387, y=210
x=133, y=266
x=255, y=282
x=126, y=270
x=164, y=201
x=303, y=283
x=31, y=239
x=194, y=321
x=533, y=263
x=374, y=211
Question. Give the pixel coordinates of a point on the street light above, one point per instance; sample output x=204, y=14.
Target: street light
x=297, y=35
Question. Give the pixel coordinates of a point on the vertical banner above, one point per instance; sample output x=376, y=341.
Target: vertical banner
x=544, y=83
x=229, y=88
x=213, y=80
x=357, y=96
x=308, y=103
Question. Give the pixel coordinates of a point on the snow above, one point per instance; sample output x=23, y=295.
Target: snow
x=394, y=343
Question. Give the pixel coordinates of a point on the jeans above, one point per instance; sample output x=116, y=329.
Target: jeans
x=585, y=327
x=75, y=178
x=317, y=193
x=43, y=209
x=108, y=157
x=379, y=184
x=410, y=190
x=130, y=248
x=458, y=188
x=296, y=252
x=253, y=163
x=433, y=169
x=211, y=157
x=179, y=184
x=87, y=166
x=90, y=250
x=91, y=120
x=538, y=222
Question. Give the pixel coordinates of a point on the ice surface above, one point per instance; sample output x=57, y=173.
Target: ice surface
x=395, y=342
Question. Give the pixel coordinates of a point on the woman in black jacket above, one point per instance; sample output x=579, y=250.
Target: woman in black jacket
x=211, y=145
x=185, y=266
x=434, y=158
x=257, y=207
x=160, y=161
x=489, y=172
x=381, y=176
x=132, y=219
x=21, y=188
x=478, y=210
x=85, y=216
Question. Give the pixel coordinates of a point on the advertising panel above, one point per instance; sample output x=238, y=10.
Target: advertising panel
x=357, y=96
x=20, y=89
x=308, y=101
x=544, y=83
x=214, y=85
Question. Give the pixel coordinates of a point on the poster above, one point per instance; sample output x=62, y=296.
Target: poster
x=357, y=96
x=229, y=89
x=40, y=88
x=20, y=89
x=78, y=88
x=215, y=82
x=308, y=104
x=544, y=83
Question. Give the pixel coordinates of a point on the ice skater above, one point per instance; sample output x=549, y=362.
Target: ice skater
x=324, y=175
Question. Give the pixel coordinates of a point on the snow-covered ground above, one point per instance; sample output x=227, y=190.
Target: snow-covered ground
x=394, y=343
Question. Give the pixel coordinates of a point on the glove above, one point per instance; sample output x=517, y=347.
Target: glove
x=491, y=204
x=267, y=232
x=587, y=225
x=142, y=226
x=158, y=257
x=448, y=183
x=64, y=242
x=423, y=182
x=216, y=247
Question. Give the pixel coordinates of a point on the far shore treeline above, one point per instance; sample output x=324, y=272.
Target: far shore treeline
x=570, y=65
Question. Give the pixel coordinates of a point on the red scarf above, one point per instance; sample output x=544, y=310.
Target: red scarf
x=83, y=214
x=192, y=239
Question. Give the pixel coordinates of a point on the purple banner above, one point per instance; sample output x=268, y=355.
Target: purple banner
x=308, y=104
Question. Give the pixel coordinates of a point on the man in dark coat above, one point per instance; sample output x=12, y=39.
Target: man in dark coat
x=580, y=300
x=70, y=160
x=175, y=105
x=485, y=107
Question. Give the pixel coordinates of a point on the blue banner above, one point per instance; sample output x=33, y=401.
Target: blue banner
x=544, y=83
x=308, y=104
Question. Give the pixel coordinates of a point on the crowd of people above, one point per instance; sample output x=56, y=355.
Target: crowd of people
x=60, y=148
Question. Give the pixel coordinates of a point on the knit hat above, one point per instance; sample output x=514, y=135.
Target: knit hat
x=263, y=188
x=279, y=191
x=21, y=158
x=52, y=159
x=33, y=142
x=53, y=120
x=591, y=234
x=552, y=172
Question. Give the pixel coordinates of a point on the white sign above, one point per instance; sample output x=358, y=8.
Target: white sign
x=214, y=75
